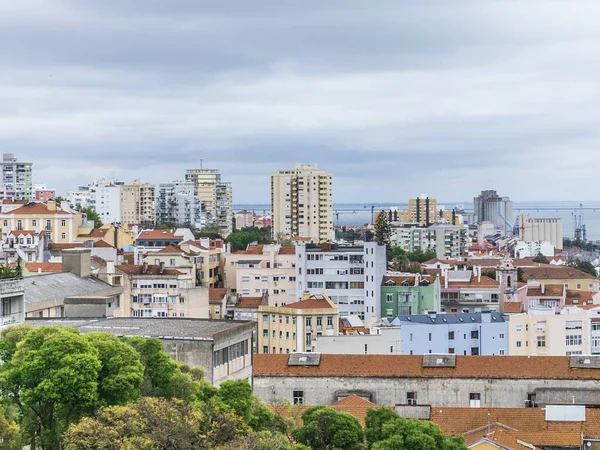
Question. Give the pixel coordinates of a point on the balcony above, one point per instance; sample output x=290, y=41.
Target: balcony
x=9, y=319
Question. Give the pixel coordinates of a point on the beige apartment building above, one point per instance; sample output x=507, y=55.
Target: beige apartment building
x=59, y=221
x=292, y=328
x=216, y=198
x=302, y=203
x=551, y=334
x=138, y=203
x=570, y=277
x=261, y=269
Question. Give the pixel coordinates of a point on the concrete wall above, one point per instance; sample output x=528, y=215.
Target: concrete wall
x=239, y=368
x=386, y=343
x=443, y=392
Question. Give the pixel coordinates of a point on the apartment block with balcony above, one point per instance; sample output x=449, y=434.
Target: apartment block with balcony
x=448, y=241
x=263, y=269
x=103, y=196
x=301, y=203
x=349, y=276
x=29, y=245
x=292, y=328
x=177, y=203
x=406, y=294
x=59, y=222
x=138, y=203
x=158, y=291
x=216, y=197
x=12, y=301
x=15, y=178
x=463, y=291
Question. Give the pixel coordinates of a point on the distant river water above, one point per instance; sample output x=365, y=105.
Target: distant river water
x=360, y=213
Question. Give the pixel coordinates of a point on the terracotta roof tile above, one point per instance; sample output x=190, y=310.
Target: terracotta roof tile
x=128, y=257
x=251, y=250
x=37, y=208
x=64, y=246
x=170, y=250
x=529, y=424
x=47, y=267
x=580, y=297
x=409, y=366
x=18, y=233
x=102, y=244
x=483, y=282
x=550, y=290
x=554, y=273
x=310, y=303
x=499, y=434
x=249, y=302
x=216, y=293
x=513, y=307
x=158, y=234
x=287, y=250
x=99, y=261
x=137, y=269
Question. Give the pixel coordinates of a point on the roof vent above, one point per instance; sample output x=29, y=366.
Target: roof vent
x=575, y=302
x=461, y=319
x=439, y=361
x=304, y=359
x=408, y=318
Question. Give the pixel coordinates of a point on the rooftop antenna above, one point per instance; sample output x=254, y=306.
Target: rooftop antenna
x=201, y=164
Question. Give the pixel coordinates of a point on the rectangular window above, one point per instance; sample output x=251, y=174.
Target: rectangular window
x=540, y=325
x=411, y=398
x=19, y=225
x=265, y=333
x=518, y=344
x=389, y=298
x=541, y=341
x=573, y=339
x=265, y=318
x=501, y=335
x=63, y=223
x=475, y=334
x=574, y=325
x=451, y=350
x=265, y=349
x=429, y=337
x=298, y=397
x=451, y=335
x=502, y=352
x=475, y=400
x=63, y=236
x=474, y=351
x=519, y=327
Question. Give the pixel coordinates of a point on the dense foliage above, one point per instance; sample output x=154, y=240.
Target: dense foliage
x=91, y=215
x=240, y=239
x=382, y=229
x=585, y=266
x=540, y=258
x=64, y=390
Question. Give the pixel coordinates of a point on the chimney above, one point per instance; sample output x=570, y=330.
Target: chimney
x=51, y=205
x=161, y=267
x=446, y=281
x=144, y=268
x=77, y=261
x=478, y=274
x=65, y=205
x=543, y=288
x=417, y=279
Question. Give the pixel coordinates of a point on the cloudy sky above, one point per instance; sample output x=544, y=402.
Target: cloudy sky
x=395, y=98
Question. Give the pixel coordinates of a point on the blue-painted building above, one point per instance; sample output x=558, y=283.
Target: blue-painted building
x=482, y=333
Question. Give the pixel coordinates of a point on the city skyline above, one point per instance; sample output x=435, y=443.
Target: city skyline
x=390, y=99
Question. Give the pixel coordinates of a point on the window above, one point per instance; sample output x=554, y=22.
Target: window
x=451, y=335
x=573, y=339
x=578, y=285
x=541, y=341
x=411, y=337
x=48, y=225
x=475, y=334
x=475, y=400
x=411, y=398
x=502, y=352
x=501, y=335
x=518, y=344
x=519, y=327
x=389, y=312
x=540, y=325
x=451, y=350
x=389, y=298
x=19, y=225
x=265, y=349
x=429, y=337
x=474, y=351
x=63, y=223
x=265, y=333
x=172, y=262
x=298, y=397
x=6, y=223
x=34, y=224
x=245, y=279
x=530, y=403
x=574, y=325
x=265, y=318
x=63, y=236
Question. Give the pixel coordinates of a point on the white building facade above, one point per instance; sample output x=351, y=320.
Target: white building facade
x=178, y=203
x=103, y=196
x=538, y=230
x=350, y=276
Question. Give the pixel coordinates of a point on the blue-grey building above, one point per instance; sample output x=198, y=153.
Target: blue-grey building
x=481, y=333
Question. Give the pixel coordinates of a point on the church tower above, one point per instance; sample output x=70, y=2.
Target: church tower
x=507, y=276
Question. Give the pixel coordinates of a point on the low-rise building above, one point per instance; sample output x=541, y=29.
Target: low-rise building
x=217, y=299
x=570, y=277
x=441, y=380
x=154, y=240
x=534, y=294
x=261, y=269
x=158, y=291
x=292, y=328
x=12, y=301
x=530, y=249
x=463, y=291
x=405, y=294
x=223, y=348
x=29, y=245
x=209, y=255
x=461, y=334
x=381, y=341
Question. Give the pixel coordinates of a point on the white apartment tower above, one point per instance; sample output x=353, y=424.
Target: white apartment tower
x=216, y=198
x=350, y=276
x=177, y=203
x=103, y=196
x=15, y=183
x=302, y=204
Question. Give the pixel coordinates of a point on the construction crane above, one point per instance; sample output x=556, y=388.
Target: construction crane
x=580, y=233
x=337, y=216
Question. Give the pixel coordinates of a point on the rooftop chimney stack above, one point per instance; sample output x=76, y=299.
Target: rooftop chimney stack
x=77, y=261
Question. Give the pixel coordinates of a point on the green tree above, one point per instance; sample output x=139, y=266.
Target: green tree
x=585, y=266
x=327, y=429
x=385, y=430
x=10, y=435
x=382, y=228
x=540, y=259
x=53, y=378
x=241, y=239
x=520, y=274
x=420, y=256
x=91, y=215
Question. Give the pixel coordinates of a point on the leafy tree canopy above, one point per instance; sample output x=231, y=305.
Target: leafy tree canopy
x=91, y=215
x=325, y=428
x=585, y=266
x=540, y=259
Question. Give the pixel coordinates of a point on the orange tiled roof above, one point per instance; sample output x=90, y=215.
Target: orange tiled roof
x=550, y=272
x=64, y=246
x=249, y=302
x=310, y=303
x=37, y=208
x=529, y=424
x=47, y=267
x=99, y=261
x=550, y=290
x=170, y=250
x=499, y=434
x=355, y=406
x=158, y=234
x=216, y=293
x=251, y=250
x=483, y=282
x=128, y=257
x=137, y=269
x=94, y=233
x=513, y=307
x=102, y=244
x=410, y=366
x=579, y=296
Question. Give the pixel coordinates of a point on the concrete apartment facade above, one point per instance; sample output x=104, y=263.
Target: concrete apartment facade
x=216, y=198
x=350, y=276
x=12, y=301
x=138, y=203
x=261, y=269
x=490, y=207
x=541, y=230
x=292, y=328
x=178, y=203
x=455, y=334
x=15, y=181
x=103, y=196
x=160, y=292
x=440, y=380
x=406, y=294
x=448, y=241
x=60, y=222
x=302, y=203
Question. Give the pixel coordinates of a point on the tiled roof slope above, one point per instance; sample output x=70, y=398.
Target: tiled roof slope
x=554, y=273
x=409, y=366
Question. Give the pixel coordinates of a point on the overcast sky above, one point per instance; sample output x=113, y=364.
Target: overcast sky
x=394, y=98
